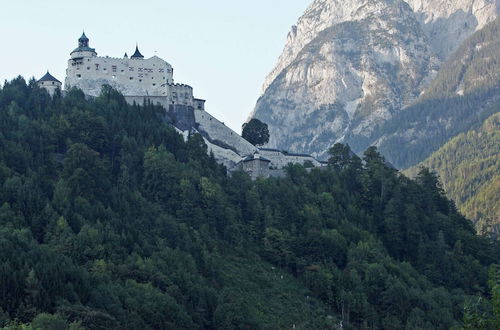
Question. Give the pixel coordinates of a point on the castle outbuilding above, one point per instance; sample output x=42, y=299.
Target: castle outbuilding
x=254, y=165
x=49, y=83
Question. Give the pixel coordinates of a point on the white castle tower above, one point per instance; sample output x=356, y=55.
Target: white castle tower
x=134, y=76
x=50, y=83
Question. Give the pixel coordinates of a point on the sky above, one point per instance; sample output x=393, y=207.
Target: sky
x=223, y=48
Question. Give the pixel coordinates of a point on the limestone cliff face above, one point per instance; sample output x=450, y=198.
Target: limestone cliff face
x=349, y=65
x=448, y=23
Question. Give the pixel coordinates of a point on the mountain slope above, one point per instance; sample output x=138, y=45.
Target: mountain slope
x=449, y=23
x=349, y=66
x=109, y=219
x=465, y=92
x=350, y=76
x=468, y=166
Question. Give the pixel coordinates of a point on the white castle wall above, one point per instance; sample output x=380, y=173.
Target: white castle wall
x=279, y=159
x=129, y=76
x=227, y=157
x=50, y=86
x=217, y=131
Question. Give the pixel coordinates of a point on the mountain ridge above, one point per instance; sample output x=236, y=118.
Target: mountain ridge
x=316, y=96
x=465, y=92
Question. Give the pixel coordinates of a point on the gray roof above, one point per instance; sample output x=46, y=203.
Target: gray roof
x=83, y=49
x=137, y=53
x=48, y=77
x=285, y=152
x=249, y=158
x=83, y=37
x=270, y=149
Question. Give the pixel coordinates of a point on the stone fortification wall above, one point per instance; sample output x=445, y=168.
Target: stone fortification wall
x=159, y=100
x=224, y=156
x=179, y=115
x=180, y=94
x=129, y=76
x=280, y=159
x=199, y=104
x=221, y=135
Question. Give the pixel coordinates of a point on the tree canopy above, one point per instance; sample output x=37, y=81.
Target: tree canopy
x=255, y=132
x=110, y=220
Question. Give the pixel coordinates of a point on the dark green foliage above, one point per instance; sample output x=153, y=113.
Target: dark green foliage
x=109, y=220
x=255, y=132
x=482, y=313
x=468, y=166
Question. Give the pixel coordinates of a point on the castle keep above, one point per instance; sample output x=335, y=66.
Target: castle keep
x=140, y=79
x=133, y=76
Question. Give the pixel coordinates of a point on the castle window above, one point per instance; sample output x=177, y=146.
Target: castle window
x=79, y=75
x=161, y=70
x=113, y=68
x=130, y=69
x=139, y=70
x=104, y=69
x=140, y=80
x=88, y=68
x=140, y=75
x=154, y=84
x=131, y=78
x=97, y=66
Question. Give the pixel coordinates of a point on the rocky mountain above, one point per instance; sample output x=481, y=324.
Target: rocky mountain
x=349, y=66
x=465, y=92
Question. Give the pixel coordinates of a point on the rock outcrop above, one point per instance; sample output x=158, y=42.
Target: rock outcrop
x=350, y=65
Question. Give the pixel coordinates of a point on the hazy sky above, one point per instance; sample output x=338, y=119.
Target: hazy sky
x=223, y=48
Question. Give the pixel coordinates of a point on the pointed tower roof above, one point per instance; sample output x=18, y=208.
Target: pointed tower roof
x=83, y=37
x=83, y=45
x=137, y=53
x=125, y=56
x=48, y=77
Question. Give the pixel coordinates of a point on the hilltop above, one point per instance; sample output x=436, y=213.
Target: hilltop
x=111, y=219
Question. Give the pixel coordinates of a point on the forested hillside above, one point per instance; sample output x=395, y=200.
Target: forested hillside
x=469, y=166
x=110, y=220
x=465, y=92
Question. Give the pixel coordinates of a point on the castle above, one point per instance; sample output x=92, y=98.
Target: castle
x=152, y=79
x=133, y=76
